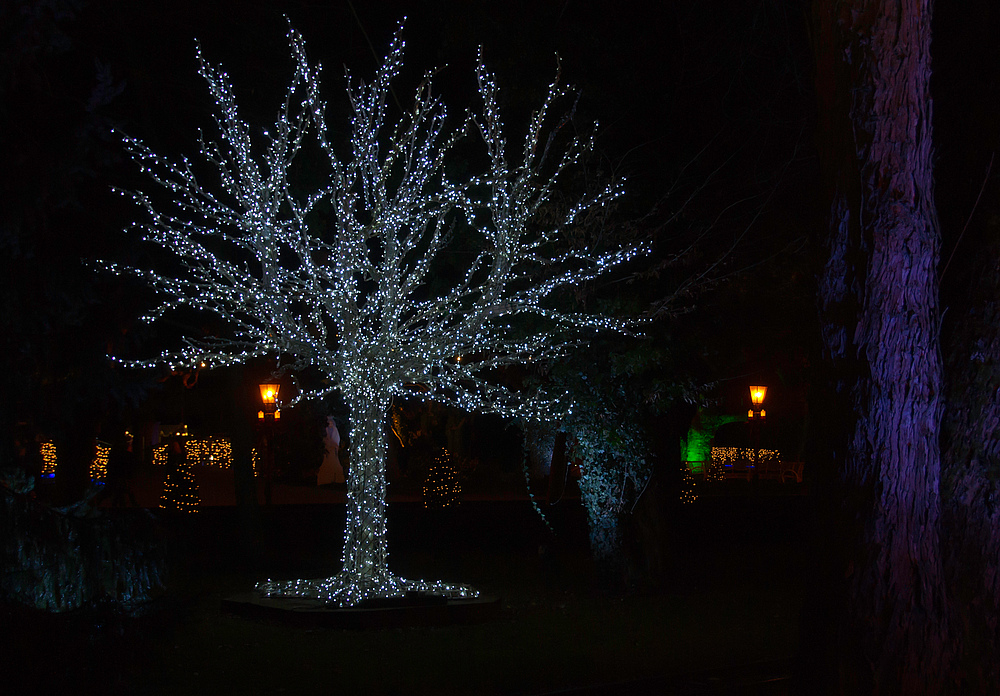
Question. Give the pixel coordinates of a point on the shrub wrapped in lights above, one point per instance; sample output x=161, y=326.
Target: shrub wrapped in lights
x=180, y=490
x=210, y=451
x=715, y=471
x=49, y=460
x=727, y=457
x=352, y=299
x=98, y=467
x=688, y=494
x=441, y=485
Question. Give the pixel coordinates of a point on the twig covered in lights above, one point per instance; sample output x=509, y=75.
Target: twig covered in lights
x=352, y=298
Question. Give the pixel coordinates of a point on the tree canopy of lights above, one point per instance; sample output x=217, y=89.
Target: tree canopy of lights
x=339, y=280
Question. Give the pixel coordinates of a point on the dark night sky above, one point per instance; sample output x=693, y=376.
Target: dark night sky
x=663, y=79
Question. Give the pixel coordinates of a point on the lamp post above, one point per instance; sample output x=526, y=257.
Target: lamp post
x=266, y=418
x=269, y=397
x=756, y=416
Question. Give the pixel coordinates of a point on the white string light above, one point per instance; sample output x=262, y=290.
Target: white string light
x=353, y=301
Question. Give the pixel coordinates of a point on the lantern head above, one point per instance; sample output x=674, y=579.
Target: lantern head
x=269, y=395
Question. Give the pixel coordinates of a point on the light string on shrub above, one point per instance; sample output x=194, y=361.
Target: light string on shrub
x=98, y=469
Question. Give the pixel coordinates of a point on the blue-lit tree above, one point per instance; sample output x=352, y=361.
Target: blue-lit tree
x=353, y=299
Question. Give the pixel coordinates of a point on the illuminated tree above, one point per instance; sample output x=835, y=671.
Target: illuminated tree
x=358, y=299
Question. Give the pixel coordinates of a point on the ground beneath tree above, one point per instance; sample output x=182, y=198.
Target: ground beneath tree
x=724, y=621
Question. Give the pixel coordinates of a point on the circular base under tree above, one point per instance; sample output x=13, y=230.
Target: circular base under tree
x=352, y=589
x=346, y=601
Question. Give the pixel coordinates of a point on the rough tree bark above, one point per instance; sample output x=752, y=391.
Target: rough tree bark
x=880, y=321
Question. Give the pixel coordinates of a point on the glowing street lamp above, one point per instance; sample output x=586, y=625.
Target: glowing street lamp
x=757, y=394
x=756, y=417
x=269, y=397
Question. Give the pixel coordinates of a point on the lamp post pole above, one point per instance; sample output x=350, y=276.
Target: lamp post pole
x=756, y=416
x=266, y=417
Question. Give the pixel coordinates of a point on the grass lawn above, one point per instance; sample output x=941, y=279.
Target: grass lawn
x=733, y=598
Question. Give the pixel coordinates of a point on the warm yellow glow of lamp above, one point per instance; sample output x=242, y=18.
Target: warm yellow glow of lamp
x=757, y=394
x=269, y=395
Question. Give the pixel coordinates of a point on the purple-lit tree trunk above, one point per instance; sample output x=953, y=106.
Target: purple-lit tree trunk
x=880, y=320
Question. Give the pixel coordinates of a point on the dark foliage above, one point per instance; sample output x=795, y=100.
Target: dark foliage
x=63, y=559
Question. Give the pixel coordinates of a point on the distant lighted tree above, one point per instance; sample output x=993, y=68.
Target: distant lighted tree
x=353, y=300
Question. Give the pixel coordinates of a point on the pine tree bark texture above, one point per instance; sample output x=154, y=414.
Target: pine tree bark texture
x=880, y=321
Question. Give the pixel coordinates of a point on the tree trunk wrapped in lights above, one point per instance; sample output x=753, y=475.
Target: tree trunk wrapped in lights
x=354, y=302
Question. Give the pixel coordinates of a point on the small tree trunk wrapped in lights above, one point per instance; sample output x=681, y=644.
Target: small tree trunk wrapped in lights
x=365, y=552
x=351, y=300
